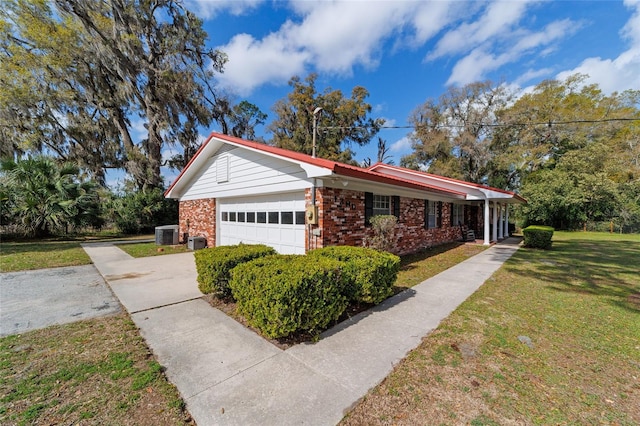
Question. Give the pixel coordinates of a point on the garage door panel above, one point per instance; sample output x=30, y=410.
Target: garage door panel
x=263, y=217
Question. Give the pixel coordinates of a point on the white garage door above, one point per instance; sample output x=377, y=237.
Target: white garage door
x=275, y=220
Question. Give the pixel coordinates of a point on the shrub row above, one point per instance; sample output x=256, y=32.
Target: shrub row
x=538, y=236
x=214, y=265
x=281, y=294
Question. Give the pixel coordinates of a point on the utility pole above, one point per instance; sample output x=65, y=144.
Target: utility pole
x=315, y=130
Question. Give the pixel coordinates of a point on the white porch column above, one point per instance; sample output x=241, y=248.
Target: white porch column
x=486, y=222
x=500, y=221
x=494, y=233
x=506, y=221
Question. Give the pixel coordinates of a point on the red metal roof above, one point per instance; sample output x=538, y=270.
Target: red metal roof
x=341, y=169
x=464, y=182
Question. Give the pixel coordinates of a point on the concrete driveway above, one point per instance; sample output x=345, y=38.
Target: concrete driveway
x=36, y=299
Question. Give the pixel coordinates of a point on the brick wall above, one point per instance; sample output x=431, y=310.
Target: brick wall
x=342, y=222
x=201, y=218
x=341, y=216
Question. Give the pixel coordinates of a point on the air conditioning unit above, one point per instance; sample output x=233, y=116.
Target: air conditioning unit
x=196, y=243
x=167, y=235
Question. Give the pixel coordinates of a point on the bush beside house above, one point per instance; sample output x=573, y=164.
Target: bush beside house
x=284, y=294
x=370, y=273
x=538, y=236
x=214, y=265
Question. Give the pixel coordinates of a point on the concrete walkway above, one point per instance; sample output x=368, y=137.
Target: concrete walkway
x=228, y=375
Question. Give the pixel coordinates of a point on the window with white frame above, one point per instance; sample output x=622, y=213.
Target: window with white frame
x=433, y=214
x=457, y=214
x=381, y=204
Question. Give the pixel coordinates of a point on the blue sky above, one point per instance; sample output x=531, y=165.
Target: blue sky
x=405, y=52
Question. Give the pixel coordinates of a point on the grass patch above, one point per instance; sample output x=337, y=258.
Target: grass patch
x=98, y=370
x=16, y=256
x=151, y=249
x=550, y=338
x=27, y=255
x=418, y=267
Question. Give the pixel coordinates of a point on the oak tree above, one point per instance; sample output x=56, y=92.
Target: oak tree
x=342, y=123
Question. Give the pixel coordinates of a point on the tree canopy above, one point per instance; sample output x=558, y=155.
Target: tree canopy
x=77, y=75
x=571, y=150
x=342, y=122
x=452, y=135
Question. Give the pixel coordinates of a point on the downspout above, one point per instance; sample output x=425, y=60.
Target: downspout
x=310, y=226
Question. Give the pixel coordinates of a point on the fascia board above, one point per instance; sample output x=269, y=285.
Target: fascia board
x=315, y=171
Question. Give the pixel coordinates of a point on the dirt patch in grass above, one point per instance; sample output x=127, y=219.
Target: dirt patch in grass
x=90, y=372
x=551, y=338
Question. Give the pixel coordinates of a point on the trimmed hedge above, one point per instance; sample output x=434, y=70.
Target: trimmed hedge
x=371, y=273
x=538, y=236
x=214, y=264
x=284, y=294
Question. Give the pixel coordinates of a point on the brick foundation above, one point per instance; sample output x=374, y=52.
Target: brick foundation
x=197, y=218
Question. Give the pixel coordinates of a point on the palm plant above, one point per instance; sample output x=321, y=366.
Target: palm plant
x=40, y=197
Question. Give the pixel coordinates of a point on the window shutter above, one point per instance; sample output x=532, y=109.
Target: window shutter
x=368, y=207
x=439, y=215
x=451, y=215
x=396, y=206
x=426, y=214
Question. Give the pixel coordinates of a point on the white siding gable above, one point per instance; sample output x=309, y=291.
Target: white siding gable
x=248, y=173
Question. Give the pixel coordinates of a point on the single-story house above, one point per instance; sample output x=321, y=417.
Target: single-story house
x=235, y=191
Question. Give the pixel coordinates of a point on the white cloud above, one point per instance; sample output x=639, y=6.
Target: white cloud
x=429, y=19
x=493, y=55
x=332, y=37
x=389, y=122
x=474, y=66
x=401, y=145
x=532, y=75
x=622, y=72
x=254, y=62
x=497, y=21
x=207, y=9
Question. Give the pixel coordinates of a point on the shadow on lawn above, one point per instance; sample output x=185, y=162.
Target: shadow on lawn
x=600, y=268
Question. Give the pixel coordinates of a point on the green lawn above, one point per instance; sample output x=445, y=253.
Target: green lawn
x=151, y=249
x=22, y=256
x=418, y=267
x=90, y=372
x=552, y=338
x=51, y=253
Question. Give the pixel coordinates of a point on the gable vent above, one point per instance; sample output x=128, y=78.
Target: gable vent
x=222, y=168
